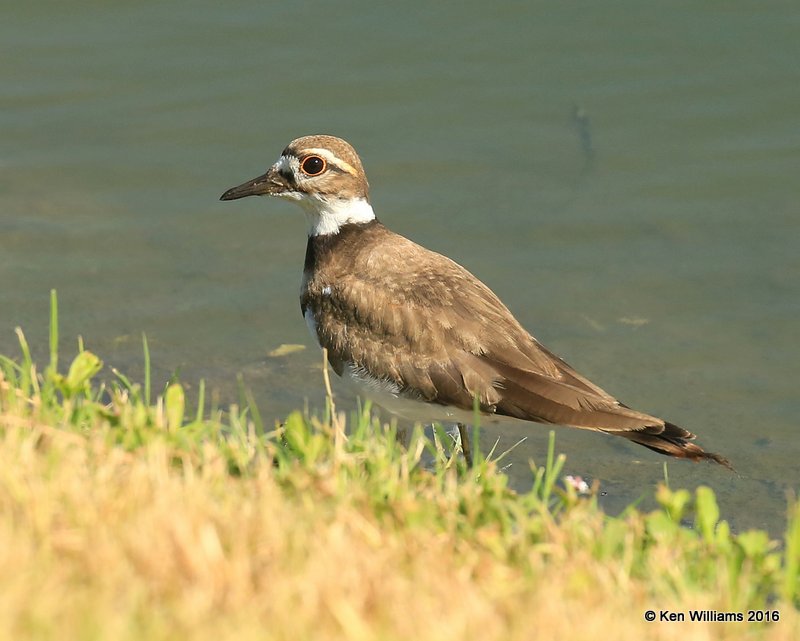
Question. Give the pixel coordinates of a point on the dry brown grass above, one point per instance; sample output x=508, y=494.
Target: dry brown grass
x=100, y=543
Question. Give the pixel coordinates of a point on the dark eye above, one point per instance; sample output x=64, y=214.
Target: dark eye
x=313, y=165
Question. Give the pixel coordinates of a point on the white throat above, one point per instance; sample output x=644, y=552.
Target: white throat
x=328, y=216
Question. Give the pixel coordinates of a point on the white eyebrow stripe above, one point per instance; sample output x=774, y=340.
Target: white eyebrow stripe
x=332, y=159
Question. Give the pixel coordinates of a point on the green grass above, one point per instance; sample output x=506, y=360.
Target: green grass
x=126, y=517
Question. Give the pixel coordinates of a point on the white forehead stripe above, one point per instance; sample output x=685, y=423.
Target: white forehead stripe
x=287, y=164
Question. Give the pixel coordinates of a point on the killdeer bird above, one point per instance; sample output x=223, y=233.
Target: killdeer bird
x=417, y=332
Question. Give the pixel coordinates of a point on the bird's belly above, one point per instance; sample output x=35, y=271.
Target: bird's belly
x=311, y=323
x=387, y=395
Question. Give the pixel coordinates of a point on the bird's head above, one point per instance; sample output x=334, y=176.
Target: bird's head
x=324, y=175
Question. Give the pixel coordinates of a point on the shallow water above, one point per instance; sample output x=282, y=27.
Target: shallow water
x=625, y=178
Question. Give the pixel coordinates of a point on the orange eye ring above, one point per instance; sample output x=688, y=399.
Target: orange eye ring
x=313, y=165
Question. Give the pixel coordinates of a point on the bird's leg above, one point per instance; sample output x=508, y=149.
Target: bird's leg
x=403, y=437
x=466, y=448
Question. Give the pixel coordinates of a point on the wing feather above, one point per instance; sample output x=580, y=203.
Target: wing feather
x=411, y=317
x=420, y=320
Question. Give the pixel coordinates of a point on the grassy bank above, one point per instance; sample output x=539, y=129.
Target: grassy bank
x=122, y=518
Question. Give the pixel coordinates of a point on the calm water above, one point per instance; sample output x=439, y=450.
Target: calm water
x=625, y=177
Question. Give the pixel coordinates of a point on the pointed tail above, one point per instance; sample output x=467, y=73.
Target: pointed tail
x=672, y=441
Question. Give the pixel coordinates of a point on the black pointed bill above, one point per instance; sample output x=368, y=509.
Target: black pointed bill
x=269, y=184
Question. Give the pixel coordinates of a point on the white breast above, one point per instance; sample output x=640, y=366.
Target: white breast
x=312, y=325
